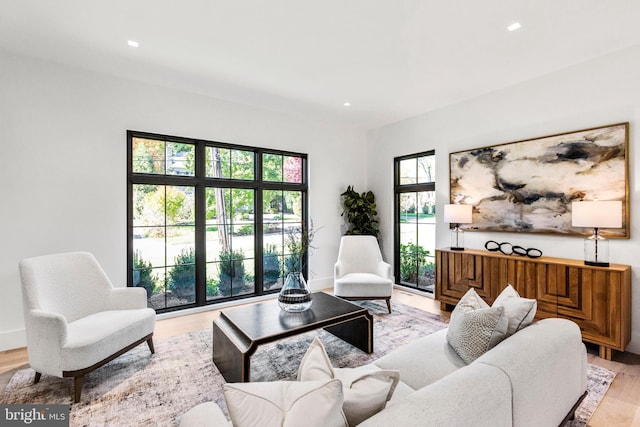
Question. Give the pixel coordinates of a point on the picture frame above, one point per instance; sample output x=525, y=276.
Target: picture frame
x=529, y=185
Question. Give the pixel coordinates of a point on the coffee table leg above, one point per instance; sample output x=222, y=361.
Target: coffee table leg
x=358, y=332
x=231, y=352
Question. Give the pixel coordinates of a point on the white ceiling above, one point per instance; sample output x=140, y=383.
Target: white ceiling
x=391, y=59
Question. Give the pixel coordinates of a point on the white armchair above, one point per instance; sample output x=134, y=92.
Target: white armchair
x=75, y=320
x=360, y=273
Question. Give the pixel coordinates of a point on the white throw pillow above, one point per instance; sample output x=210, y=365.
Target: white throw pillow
x=519, y=311
x=366, y=389
x=475, y=327
x=285, y=404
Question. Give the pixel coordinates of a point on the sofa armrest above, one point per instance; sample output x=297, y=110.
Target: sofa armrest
x=547, y=355
x=383, y=269
x=338, y=270
x=127, y=299
x=46, y=335
x=204, y=414
x=476, y=395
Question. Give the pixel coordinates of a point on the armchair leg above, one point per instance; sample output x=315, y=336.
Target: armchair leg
x=77, y=388
x=389, y=304
x=150, y=344
x=37, y=378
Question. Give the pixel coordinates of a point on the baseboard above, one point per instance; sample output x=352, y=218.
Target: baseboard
x=320, y=284
x=16, y=338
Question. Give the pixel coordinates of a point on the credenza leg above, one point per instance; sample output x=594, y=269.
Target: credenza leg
x=605, y=352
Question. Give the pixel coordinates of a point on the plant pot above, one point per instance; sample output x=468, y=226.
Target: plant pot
x=295, y=295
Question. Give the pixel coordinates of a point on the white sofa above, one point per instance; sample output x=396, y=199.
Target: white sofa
x=535, y=377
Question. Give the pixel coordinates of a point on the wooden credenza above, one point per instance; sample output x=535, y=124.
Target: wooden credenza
x=598, y=299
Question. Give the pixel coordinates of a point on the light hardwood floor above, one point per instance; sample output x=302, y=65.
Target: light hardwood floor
x=620, y=406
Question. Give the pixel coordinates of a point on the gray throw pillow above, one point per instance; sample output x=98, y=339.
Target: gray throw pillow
x=475, y=327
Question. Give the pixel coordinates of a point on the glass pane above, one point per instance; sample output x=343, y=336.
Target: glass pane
x=242, y=164
x=408, y=171
x=180, y=245
x=292, y=205
x=408, y=207
x=427, y=169
x=214, y=236
x=213, y=281
x=273, y=204
x=247, y=284
x=218, y=203
x=180, y=205
x=408, y=266
x=148, y=156
x=242, y=207
x=218, y=162
x=148, y=244
x=148, y=205
x=152, y=280
x=231, y=273
x=272, y=266
x=292, y=169
x=180, y=159
x=427, y=205
x=272, y=167
x=181, y=282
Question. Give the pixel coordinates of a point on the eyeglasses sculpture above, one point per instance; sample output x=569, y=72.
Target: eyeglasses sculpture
x=509, y=249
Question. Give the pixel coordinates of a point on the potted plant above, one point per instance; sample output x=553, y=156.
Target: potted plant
x=360, y=210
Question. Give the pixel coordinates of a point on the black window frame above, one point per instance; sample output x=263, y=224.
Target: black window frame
x=398, y=190
x=201, y=182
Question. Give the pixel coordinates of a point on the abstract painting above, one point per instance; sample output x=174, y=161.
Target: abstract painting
x=528, y=186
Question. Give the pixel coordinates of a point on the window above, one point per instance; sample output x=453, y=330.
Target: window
x=208, y=221
x=415, y=229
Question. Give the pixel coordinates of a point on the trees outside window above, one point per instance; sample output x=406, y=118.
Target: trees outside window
x=414, y=242
x=207, y=221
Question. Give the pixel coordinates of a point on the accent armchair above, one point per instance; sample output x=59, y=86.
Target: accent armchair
x=360, y=273
x=75, y=320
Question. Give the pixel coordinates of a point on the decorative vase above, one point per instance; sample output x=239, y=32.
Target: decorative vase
x=295, y=295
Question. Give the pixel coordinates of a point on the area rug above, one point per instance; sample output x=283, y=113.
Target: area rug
x=144, y=390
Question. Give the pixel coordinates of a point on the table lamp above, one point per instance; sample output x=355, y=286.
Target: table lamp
x=456, y=215
x=596, y=214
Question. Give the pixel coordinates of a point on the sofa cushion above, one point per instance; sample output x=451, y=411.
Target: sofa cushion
x=366, y=389
x=285, y=404
x=423, y=361
x=519, y=311
x=93, y=338
x=475, y=327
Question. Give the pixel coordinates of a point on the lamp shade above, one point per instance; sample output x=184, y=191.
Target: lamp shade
x=600, y=214
x=457, y=214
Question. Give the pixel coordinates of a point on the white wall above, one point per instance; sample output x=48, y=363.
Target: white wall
x=599, y=92
x=63, y=165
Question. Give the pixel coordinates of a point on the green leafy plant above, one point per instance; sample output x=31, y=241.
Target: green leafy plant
x=360, y=211
x=231, y=272
x=142, y=276
x=298, y=243
x=182, y=277
x=412, y=259
x=271, y=265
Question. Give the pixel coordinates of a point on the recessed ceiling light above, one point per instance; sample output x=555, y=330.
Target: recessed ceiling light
x=132, y=43
x=347, y=104
x=514, y=26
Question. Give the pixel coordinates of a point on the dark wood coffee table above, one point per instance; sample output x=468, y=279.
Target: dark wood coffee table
x=238, y=332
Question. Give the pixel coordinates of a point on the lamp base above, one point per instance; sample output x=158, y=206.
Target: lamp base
x=596, y=264
x=457, y=249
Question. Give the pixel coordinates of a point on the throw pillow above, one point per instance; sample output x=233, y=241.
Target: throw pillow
x=519, y=311
x=366, y=389
x=285, y=404
x=474, y=327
